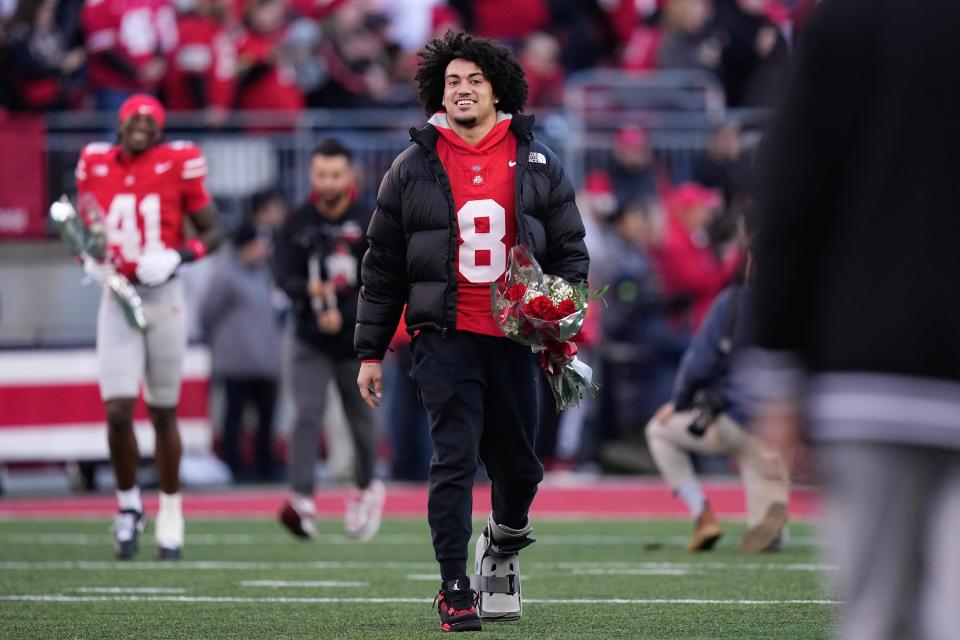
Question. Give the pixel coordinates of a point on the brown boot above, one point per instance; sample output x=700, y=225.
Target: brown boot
x=765, y=535
x=706, y=531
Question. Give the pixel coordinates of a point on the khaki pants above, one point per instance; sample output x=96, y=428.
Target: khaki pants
x=765, y=477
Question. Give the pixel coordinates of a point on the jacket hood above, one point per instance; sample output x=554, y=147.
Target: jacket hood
x=521, y=125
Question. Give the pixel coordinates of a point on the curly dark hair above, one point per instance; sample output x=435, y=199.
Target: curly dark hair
x=496, y=61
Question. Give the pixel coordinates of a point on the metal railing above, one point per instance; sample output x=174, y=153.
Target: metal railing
x=254, y=151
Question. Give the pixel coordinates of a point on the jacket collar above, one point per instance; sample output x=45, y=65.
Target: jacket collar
x=521, y=125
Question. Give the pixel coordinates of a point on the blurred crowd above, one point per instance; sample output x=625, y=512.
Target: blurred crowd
x=665, y=244
x=665, y=248
x=219, y=55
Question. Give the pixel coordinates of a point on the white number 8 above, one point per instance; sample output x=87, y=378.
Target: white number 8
x=483, y=255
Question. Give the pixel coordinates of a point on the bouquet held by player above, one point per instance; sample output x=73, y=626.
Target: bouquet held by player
x=546, y=312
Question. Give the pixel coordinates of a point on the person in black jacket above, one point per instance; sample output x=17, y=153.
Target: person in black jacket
x=857, y=316
x=318, y=262
x=473, y=184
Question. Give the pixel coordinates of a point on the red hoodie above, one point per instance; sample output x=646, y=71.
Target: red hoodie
x=481, y=179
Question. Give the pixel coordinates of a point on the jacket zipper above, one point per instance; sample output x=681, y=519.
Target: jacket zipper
x=522, y=231
x=415, y=136
x=450, y=242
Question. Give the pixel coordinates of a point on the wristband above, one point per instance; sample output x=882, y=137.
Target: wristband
x=196, y=247
x=370, y=361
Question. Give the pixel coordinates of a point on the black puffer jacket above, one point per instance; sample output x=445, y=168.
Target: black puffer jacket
x=412, y=257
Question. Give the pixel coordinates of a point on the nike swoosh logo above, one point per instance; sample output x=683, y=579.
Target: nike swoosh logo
x=512, y=163
x=162, y=167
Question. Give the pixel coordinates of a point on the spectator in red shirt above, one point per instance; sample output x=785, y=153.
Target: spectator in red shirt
x=688, y=265
x=540, y=59
x=505, y=20
x=128, y=43
x=203, y=66
x=265, y=78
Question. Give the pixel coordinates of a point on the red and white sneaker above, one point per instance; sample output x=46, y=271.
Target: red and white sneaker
x=299, y=515
x=364, y=511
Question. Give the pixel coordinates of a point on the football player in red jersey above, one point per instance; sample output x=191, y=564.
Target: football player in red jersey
x=474, y=184
x=146, y=188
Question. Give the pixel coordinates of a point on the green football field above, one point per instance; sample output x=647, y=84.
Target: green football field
x=249, y=579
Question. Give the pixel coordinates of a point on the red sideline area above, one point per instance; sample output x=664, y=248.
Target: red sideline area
x=640, y=499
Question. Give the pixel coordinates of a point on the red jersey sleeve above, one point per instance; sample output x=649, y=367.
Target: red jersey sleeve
x=92, y=155
x=193, y=173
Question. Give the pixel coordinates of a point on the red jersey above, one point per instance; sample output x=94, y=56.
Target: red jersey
x=205, y=49
x=687, y=265
x=275, y=89
x=136, y=29
x=143, y=197
x=481, y=179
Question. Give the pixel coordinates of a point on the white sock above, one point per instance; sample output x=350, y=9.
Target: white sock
x=692, y=495
x=169, y=526
x=171, y=502
x=130, y=499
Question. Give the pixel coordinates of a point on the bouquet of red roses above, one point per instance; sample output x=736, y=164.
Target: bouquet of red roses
x=545, y=312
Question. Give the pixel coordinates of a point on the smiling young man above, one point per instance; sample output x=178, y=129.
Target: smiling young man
x=474, y=184
x=146, y=188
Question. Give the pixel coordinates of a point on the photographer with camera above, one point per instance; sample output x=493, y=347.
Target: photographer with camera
x=706, y=416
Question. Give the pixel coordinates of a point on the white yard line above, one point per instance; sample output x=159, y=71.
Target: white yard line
x=378, y=565
x=423, y=577
x=202, y=539
x=637, y=571
x=292, y=584
x=317, y=600
x=243, y=539
x=93, y=565
x=614, y=567
x=130, y=590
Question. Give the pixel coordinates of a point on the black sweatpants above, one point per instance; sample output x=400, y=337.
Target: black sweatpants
x=262, y=393
x=480, y=394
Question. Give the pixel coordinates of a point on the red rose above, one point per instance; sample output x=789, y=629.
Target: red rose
x=541, y=306
x=516, y=293
x=553, y=314
x=567, y=308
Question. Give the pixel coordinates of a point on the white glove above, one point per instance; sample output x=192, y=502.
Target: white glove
x=156, y=267
x=96, y=271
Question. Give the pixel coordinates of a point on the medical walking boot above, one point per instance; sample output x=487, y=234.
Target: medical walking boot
x=497, y=577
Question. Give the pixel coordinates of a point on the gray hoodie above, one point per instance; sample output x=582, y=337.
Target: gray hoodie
x=239, y=320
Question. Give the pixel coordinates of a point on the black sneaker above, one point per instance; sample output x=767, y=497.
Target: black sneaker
x=457, y=606
x=128, y=524
x=169, y=553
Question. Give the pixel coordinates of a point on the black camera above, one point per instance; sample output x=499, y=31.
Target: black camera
x=707, y=405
